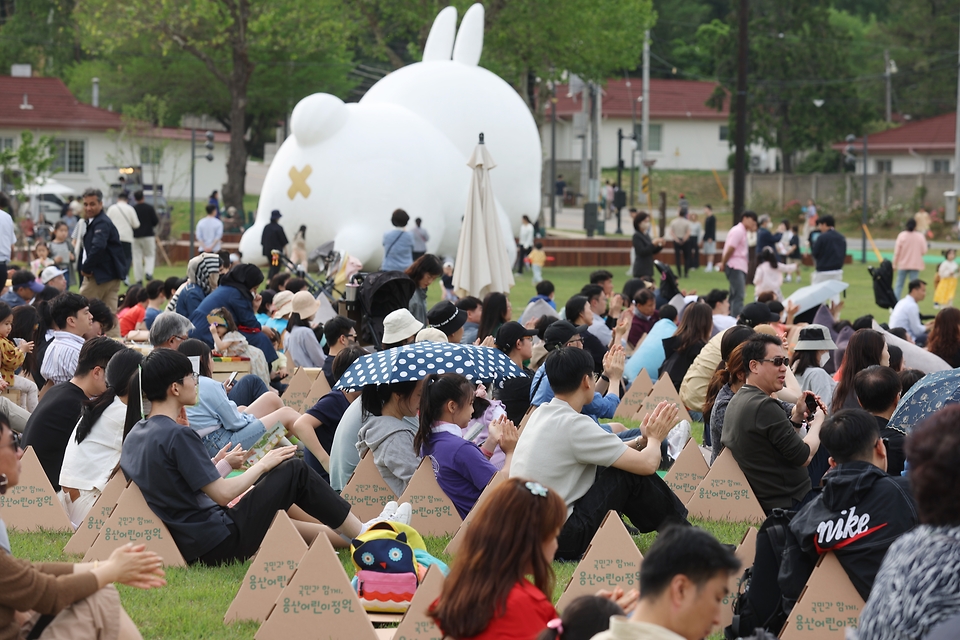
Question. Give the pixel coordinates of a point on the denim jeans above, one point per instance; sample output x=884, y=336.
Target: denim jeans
x=738, y=287
x=903, y=277
x=245, y=437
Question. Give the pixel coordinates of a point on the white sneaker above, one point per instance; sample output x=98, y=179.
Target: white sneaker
x=388, y=513
x=402, y=514
x=388, y=510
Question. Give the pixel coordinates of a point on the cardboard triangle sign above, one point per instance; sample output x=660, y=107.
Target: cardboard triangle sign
x=97, y=516
x=612, y=560
x=632, y=402
x=318, y=601
x=133, y=521
x=318, y=389
x=746, y=552
x=33, y=504
x=725, y=494
x=661, y=391
x=454, y=545
x=366, y=490
x=827, y=605
x=299, y=388
x=416, y=624
x=269, y=571
x=433, y=514
x=687, y=472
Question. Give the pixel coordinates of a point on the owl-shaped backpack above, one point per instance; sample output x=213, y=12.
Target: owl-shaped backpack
x=388, y=570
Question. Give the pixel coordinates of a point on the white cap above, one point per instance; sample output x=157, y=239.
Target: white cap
x=50, y=273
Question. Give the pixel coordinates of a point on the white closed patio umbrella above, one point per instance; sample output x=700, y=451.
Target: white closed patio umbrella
x=483, y=263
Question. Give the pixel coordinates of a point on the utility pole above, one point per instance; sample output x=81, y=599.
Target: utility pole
x=595, y=165
x=886, y=73
x=863, y=211
x=951, y=210
x=740, y=164
x=633, y=151
x=208, y=145
x=645, y=115
x=618, y=195
x=553, y=156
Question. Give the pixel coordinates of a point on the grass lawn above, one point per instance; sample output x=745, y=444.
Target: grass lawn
x=195, y=599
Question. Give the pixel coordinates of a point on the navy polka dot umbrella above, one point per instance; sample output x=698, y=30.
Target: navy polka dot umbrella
x=416, y=361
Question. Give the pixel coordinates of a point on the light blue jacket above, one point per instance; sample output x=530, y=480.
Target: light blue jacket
x=649, y=356
x=215, y=409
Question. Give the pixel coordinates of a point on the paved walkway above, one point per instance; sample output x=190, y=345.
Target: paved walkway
x=569, y=221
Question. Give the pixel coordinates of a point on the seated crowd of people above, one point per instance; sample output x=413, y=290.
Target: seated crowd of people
x=805, y=419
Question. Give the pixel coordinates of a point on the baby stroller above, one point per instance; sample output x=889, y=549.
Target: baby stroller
x=668, y=281
x=883, y=293
x=380, y=293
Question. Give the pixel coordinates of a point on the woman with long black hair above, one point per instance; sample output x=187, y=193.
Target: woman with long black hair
x=93, y=451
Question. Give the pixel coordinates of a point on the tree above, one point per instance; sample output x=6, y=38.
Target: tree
x=229, y=38
x=526, y=42
x=800, y=93
x=923, y=40
x=40, y=33
x=28, y=163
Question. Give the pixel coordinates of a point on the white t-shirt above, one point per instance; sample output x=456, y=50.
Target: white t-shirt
x=88, y=465
x=561, y=449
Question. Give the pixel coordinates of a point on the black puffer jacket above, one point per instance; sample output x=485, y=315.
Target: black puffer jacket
x=859, y=513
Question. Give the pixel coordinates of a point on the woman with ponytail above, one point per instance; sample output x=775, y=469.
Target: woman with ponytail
x=93, y=451
x=732, y=338
x=582, y=619
x=735, y=374
x=463, y=469
x=389, y=426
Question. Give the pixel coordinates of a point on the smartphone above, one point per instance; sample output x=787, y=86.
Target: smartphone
x=232, y=378
x=811, y=405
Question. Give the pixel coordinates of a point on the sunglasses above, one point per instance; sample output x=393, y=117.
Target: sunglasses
x=16, y=441
x=779, y=361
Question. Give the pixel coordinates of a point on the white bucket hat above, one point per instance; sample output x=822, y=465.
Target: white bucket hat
x=815, y=337
x=400, y=325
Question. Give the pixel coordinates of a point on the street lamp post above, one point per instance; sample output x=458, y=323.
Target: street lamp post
x=850, y=158
x=193, y=177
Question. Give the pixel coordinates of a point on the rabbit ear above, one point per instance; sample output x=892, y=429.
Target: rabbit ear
x=469, y=44
x=440, y=41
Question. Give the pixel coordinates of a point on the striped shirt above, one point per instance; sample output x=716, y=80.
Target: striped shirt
x=60, y=360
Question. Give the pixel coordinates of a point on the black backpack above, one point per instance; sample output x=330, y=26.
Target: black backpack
x=759, y=603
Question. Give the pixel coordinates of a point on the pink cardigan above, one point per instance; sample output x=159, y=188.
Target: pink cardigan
x=767, y=278
x=908, y=251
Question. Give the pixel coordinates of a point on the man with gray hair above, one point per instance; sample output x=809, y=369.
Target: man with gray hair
x=765, y=237
x=169, y=330
x=103, y=263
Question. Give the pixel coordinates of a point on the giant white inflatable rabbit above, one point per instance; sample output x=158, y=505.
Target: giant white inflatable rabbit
x=346, y=167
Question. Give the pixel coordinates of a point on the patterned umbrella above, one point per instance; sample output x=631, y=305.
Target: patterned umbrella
x=415, y=361
x=933, y=392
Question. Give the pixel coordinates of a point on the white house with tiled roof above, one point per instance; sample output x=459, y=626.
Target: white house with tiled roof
x=921, y=146
x=684, y=132
x=90, y=149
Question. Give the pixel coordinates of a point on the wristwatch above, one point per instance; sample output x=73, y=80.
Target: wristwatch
x=638, y=442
